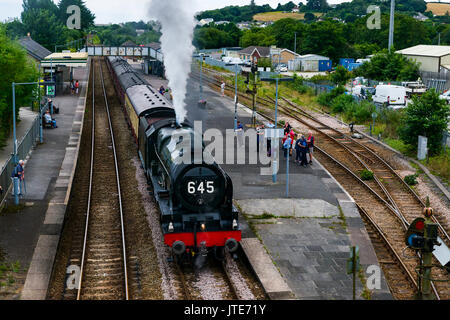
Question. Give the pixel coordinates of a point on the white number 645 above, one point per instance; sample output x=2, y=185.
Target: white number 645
x=201, y=187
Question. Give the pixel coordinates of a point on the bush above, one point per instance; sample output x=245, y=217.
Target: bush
x=426, y=116
x=366, y=175
x=411, y=180
x=341, y=103
x=326, y=99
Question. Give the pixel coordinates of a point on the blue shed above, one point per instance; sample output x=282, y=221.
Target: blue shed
x=325, y=65
x=353, y=66
x=346, y=61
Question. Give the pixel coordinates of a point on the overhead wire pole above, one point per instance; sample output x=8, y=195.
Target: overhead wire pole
x=391, y=25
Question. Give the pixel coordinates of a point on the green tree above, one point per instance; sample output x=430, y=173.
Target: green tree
x=14, y=67
x=427, y=116
x=317, y=5
x=389, y=66
x=309, y=17
x=44, y=27
x=29, y=5
x=258, y=37
x=325, y=38
x=87, y=17
x=15, y=29
x=340, y=76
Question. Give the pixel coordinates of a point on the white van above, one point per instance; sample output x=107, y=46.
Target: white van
x=388, y=95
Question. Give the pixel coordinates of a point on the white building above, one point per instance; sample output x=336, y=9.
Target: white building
x=431, y=58
x=205, y=22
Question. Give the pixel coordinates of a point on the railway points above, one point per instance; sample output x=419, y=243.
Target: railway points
x=280, y=235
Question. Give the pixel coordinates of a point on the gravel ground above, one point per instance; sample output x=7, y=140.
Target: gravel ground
x=238, y=281
x=168, y=282
x=425, y=186
x=209, y=285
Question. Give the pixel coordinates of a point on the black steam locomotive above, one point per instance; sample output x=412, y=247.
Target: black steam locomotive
x=195, y=197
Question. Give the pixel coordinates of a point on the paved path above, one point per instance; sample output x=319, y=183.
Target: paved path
x=27, y=117
x=20, y=232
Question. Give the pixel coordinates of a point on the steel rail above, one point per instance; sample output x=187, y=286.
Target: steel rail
x=124, y=250
x=394, y=209
x=91, y=184
x=88, y=210
x=383, y=162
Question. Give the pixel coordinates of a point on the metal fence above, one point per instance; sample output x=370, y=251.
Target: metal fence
x=318, y=88
x=23, y=149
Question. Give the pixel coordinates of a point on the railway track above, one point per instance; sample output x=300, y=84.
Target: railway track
x=387, y=204
x=103, y=260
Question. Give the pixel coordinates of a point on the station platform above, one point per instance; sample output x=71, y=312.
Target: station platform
x=29, y=235
x=298, y=246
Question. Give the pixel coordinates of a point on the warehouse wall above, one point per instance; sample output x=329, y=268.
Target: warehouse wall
x=430, y=64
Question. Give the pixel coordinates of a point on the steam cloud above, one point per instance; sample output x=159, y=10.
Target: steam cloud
x=177, y=18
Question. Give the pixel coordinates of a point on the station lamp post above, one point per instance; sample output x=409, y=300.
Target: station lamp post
x=235, y=96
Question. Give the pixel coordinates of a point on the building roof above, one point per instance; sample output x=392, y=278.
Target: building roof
x=263, y=51
x=313, y=57
x=426, y=51
x=128, y=43
x=69, y=59
x=33, y=48
x=154, y=45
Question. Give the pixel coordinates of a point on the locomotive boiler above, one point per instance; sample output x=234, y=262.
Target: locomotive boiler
x=195, y=196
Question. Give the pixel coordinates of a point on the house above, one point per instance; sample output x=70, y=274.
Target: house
x=254, y=53
x=232, y=52
x=140, y=32
x=431, y=58
x=35, y=51
x=286, y=56
x=244, y=25
x=205, y=22
x=420, y=17
x=221, y=22
x=296, y=9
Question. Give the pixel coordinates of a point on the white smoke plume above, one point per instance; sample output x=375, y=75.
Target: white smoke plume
x=177, y=18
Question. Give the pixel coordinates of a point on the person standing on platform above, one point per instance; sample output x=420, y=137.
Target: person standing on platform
x=287, y=145
x=222, y=89
x=259, y=136
x=19, y=172
x=304, y=147
x=310, y=141
x=287, y=128
x=77, y=87
x=298, y=149
x=270, y=125
x=240, y=133
x=72, y=88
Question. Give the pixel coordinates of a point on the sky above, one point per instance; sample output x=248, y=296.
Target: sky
x=115, y=11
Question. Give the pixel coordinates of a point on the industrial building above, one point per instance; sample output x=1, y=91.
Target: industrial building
x=431, y=58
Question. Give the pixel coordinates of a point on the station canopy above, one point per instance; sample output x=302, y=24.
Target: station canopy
x=69, y=59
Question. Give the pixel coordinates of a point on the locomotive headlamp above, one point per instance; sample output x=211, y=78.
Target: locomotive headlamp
x=171, y=227
x=203, y=227
x=235, y=225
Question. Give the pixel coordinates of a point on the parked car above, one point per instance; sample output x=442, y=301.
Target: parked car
x=414, y=88
x=281, y=68
x=446, y=96
x=390, y=96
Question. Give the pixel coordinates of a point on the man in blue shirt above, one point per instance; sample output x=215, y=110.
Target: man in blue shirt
x=287, y=145
x=19, y=172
